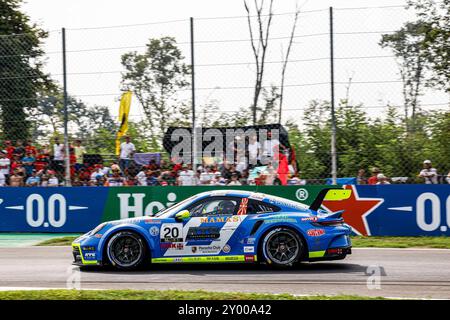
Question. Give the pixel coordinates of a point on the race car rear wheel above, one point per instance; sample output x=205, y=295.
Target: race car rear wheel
x=126, y=250
x=282, y=247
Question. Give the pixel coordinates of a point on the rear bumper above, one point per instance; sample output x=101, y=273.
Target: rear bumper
x=330, y=254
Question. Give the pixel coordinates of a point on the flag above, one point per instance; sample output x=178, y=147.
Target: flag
x=124, y=111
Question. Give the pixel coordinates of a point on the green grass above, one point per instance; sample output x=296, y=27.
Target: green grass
x=62, y=241
x=161, y=295
x=401, y=242
x=357, y=242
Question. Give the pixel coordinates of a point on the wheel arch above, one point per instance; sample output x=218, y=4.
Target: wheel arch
x=131, y=228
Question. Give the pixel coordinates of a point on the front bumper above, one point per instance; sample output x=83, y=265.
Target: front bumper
x=83, y=257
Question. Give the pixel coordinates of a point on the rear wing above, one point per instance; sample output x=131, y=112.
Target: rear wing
x=330, y=194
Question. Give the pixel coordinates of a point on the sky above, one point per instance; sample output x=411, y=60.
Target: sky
x=100, y=31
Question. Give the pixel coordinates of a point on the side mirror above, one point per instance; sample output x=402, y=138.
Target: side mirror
x=182, y=215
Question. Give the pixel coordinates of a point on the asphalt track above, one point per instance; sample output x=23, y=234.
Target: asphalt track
x=403, y=273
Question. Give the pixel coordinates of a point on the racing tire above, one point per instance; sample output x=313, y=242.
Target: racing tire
x=282, y=247
x=126, y=250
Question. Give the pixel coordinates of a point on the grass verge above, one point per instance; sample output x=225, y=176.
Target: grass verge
x=357, y=242
x=161, y=295
x=401, y=242
x=62, y=241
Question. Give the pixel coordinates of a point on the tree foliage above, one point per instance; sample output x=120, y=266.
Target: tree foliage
x=155, y=76
x=21, y=74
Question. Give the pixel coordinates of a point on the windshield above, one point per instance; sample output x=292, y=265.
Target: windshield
x=166, y=213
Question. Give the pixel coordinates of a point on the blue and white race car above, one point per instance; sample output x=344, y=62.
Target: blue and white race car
x=222, y=226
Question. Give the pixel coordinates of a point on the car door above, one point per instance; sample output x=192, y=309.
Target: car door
x=212, y=223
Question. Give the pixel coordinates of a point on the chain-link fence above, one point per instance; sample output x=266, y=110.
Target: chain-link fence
x=376, y=126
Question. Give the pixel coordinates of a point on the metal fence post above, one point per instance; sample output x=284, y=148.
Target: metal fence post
x=66, y=134
x=194, y=133
x=333, y=116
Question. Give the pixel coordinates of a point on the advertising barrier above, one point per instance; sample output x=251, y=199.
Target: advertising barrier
x=386, y=210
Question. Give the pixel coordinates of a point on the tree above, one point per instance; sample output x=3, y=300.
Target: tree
x=435, y=16
x=21, y=74
x=155, y=76
x=259, y=45
x=408, y=45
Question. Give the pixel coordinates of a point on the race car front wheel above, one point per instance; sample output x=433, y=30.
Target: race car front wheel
x=126, y=250
x=282, y=247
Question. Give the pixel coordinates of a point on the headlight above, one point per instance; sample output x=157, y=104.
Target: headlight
x=98, y=228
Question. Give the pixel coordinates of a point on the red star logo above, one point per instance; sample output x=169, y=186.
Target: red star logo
x=356, y=210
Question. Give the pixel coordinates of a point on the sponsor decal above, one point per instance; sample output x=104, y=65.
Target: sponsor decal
x=98, y=235
x=257, y=196
x=249, y=258
x=250, y=241
x=209, y=249
x=226, y=248
x=90, y=248
x=194, y=249
x=313, y=219
x=172, y=245
x=202, y=233
x=207, y=259
x=315, y=232
x=90, y=256
x=249, y=249
x=220, y=219
x=276, y=219
x=152, y=221
x=154, y=231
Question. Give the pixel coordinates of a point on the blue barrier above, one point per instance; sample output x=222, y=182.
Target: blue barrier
x=386, y=210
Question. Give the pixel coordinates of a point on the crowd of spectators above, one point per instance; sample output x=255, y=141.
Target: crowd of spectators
x=24, y=164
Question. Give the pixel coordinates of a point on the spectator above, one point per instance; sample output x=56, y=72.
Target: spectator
x=53, y=180
x=381, y=179
x=9, y=149
x=19, y=149
x=58, y=157
x=28, y=162
x=30, y=148
x=361, y=177
x=79, y=151
x=34, y=180
x=115, y=180
x=253, y=151
x=448, y=178
x=234, y=180
x=186, y=176
x=5, y=164
x=429, y=173
x=16, y=180
x=373, y=179
x=142, y=177
x=271, y=146
x=206, y=176
x=296, y=181
x=127, y=149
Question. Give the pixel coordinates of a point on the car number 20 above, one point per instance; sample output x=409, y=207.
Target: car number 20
x=172, y=232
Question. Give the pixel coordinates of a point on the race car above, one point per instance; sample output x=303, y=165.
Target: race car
x=222, y=226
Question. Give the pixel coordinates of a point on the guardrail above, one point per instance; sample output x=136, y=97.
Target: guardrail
x=388, y=210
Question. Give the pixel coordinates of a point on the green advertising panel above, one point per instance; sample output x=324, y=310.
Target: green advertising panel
x=139, y=201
